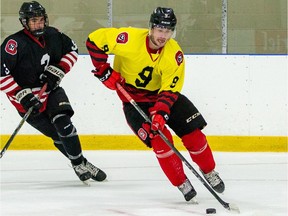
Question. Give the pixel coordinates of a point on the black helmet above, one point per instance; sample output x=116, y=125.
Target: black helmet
x=163, y=17
x=32, y=9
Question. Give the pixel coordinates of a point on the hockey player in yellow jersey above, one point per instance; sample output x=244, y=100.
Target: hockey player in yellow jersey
x=150, y=66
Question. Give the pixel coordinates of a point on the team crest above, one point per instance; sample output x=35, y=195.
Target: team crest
x=122, y=38
x=142, y=134
x=179, y=57
x=11, y=47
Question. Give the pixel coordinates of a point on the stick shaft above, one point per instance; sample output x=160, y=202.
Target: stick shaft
x=165, y=139
x=25, y=117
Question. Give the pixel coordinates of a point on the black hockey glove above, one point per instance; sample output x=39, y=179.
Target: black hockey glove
x=27, y=99
x=52, y=76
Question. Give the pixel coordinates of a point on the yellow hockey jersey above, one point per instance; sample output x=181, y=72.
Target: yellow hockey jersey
x=141, y=68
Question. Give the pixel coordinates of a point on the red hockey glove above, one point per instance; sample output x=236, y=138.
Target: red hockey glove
x=158, y=117
x=27, y=99
x=108, y=76
x=158, y=123
x=52, y=76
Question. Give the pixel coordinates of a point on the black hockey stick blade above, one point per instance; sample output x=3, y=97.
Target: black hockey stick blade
x=233, y=208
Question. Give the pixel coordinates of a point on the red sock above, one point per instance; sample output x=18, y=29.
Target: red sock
x=199, y=149
x=170, y=163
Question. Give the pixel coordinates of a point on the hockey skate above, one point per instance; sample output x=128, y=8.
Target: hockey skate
x=82, y=171
x=96, y=173
x=215, y=181
x=188, y=191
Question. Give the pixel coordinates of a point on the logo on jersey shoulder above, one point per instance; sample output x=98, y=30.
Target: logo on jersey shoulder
x=179, y=57
x=122, y=38
x=11, y=47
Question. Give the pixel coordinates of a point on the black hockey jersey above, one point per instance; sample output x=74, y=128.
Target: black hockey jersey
x=24, y=58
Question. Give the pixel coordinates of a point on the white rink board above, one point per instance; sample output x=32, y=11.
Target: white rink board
x=237, y=95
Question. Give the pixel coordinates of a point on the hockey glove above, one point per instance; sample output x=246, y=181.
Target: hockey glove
x=158, y=123
x=108, y=76
x=52, y=76
x=27, y=99
x=158, y=117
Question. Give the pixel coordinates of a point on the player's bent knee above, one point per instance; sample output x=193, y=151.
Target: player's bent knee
x=159, y=146
x=64, y=126
x=195, y=142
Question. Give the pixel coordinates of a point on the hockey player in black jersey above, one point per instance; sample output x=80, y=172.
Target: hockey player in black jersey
x=36, y=55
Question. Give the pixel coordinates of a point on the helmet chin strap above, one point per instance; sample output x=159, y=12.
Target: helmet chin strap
x=174, y=34
x=38, y=32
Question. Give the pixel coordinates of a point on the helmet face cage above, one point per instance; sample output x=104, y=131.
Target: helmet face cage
x=164, y=18
x=29, y=10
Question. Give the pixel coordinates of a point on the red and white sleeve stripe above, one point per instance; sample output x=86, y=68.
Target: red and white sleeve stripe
x=68, y=61
x=8, y=84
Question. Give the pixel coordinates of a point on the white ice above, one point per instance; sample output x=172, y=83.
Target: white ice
x=42, y=183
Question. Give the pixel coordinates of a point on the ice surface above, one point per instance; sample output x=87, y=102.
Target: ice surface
x=42, y=183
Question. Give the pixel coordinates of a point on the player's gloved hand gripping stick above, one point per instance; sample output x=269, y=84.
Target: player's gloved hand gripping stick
x=25, y=117
x=228, y=206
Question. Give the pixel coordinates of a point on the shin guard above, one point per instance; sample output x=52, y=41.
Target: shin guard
x=170, y=163
x=200, y=152
x=69, y=138
x=60, y=147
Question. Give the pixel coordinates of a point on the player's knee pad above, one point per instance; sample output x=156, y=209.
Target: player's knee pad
x=161, y=149
x=195, y=142
x=64, y=126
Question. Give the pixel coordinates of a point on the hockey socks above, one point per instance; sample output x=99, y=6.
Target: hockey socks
x=200, y=152
x=170, y=163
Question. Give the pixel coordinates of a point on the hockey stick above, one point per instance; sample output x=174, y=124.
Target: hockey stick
x=25, y=117
x=228, y=206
